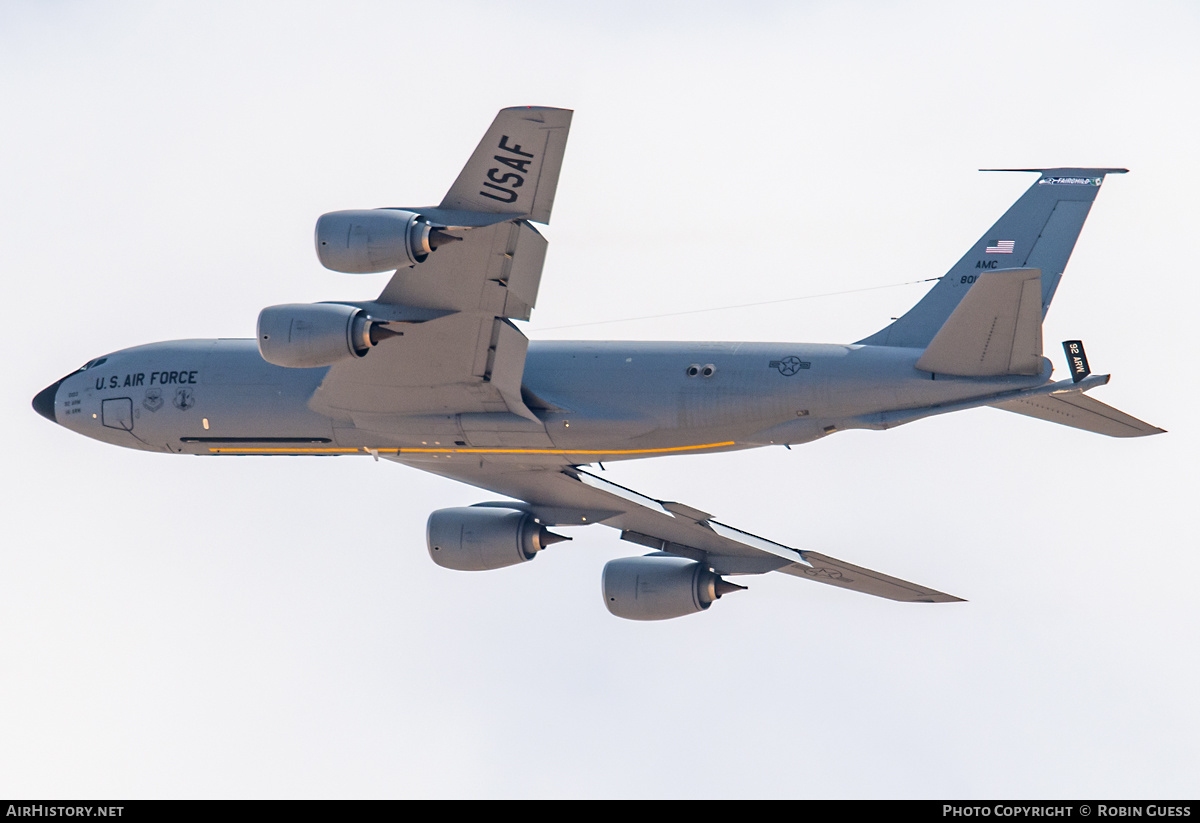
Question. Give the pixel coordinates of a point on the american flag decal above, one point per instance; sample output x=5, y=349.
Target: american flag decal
x=1001, y=247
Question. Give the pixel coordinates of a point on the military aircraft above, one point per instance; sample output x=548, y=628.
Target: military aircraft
x=435, y=374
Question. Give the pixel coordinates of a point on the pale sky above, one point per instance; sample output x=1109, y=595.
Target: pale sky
x=254, y=627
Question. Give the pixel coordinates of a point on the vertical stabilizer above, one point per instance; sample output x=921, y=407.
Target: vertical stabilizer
x=1037, y=232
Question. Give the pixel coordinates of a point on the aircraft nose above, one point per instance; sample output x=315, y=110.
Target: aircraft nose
x=43, y=401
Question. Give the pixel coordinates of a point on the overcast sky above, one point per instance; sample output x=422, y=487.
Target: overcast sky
x=254, y=627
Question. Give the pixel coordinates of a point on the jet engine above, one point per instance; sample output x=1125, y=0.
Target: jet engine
x=480, y=538
x=307, y=335
x=375, y=240
x=660, y=586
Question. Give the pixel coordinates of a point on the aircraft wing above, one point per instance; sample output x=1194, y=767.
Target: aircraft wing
x=453, y=347
x=573, y=496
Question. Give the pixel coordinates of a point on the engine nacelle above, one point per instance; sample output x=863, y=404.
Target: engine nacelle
x=361, y=242
x=480, y=538
x=660, y=586
x=307, y=335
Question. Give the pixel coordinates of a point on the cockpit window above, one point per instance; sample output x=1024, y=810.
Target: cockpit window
x=91, y=364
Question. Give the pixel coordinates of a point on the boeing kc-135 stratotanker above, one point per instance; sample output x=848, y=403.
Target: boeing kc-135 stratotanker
x=435, y=374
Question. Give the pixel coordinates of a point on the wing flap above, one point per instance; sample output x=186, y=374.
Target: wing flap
x=473, y=275
x=457, y=363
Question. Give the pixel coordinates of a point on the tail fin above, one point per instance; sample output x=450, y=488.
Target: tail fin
x=1037, y=232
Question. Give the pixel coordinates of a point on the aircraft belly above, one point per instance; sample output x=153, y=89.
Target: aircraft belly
x=848, y=401
x=595, y=430
x=447, y=432
x=681, y=395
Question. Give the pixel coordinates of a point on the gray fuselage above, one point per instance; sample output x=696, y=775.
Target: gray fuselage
x=598, y=401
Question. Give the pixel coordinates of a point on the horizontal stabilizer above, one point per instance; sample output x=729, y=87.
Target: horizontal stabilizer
x=995, y=330
x=1079, y=411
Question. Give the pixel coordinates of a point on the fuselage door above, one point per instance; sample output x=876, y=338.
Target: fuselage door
x=117, y=413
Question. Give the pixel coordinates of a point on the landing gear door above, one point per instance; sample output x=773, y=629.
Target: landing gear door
x=117, y=413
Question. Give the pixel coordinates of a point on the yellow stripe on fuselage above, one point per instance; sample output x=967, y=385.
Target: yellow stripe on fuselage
x=423, y=450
